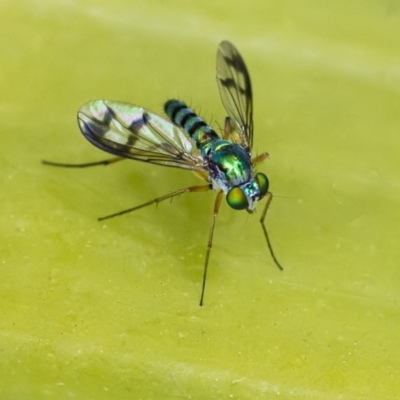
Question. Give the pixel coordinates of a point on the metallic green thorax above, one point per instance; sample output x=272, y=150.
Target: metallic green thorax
x=232, y=160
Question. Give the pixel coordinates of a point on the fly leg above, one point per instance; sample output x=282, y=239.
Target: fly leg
x=259, y=159
x=190, y=189
x=210, y=240
x=263, y=215
x=84, y=165
x=227, y=129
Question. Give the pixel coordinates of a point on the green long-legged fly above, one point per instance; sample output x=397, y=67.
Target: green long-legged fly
x=186, y=141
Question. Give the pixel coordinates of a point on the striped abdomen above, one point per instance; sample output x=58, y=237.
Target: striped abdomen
x=202, y=134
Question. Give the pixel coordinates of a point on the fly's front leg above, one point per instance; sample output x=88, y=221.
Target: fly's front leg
x=210, y=240
x=262, y=220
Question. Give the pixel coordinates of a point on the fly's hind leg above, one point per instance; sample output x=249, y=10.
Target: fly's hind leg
x=84, y=165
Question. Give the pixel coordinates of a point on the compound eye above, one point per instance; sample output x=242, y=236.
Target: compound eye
x=237, y=199
x=263, y=184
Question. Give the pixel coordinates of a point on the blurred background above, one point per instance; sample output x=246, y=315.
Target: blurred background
x=110, y=309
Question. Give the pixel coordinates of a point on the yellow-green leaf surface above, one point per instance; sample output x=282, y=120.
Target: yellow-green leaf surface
x=99, y=310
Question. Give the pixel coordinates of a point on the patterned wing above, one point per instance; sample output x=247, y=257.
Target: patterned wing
x=235, y=91
x=130, y=131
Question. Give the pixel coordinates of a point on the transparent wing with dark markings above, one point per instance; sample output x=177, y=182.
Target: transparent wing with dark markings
x=132, y=132
x=235, y=90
